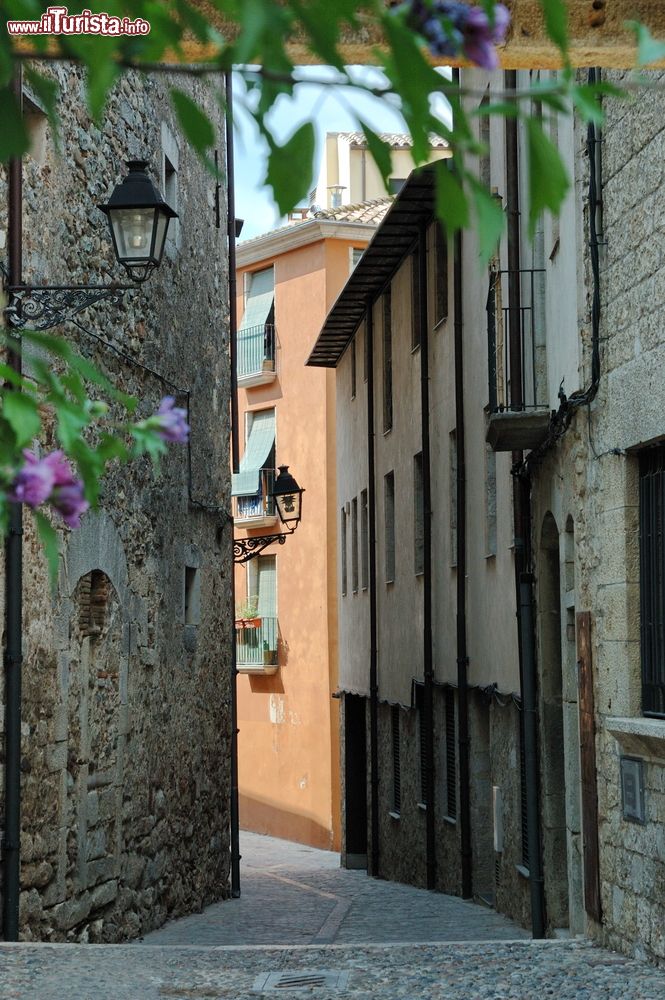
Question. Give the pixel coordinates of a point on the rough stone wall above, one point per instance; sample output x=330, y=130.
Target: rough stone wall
x=590, y=486
x=125, y=717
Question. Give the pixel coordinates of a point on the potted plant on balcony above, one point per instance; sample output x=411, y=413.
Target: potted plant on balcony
x=269, y=655
x=246, y=613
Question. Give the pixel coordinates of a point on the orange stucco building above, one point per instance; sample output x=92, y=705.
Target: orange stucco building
x=286, y=602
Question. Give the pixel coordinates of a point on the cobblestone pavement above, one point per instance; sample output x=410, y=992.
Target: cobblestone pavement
x=410, y=945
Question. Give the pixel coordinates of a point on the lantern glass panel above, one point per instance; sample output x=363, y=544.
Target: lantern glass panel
x=132, y=231
x=288, y=506
x=160, y=234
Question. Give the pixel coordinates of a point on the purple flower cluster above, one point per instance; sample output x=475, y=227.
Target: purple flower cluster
x=451, y=28
x=50, y=479
x=170, y=422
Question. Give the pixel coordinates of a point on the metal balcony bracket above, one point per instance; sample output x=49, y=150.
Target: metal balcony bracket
x=42, y=307
x=245, y=549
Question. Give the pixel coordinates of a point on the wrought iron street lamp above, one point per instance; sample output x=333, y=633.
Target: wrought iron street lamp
x=139, y=221
x=287, y=496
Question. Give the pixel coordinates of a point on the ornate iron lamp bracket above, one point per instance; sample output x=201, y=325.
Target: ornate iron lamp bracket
x=245, y=549
x=41, y=307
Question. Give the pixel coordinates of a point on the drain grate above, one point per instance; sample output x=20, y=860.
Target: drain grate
x=302, y=979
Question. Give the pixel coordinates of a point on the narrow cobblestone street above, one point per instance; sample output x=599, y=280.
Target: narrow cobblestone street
x=302, y=916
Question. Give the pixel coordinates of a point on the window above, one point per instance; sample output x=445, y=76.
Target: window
x=256, y=333
x=451, y=756
x=397, y=768
x=441, y=276
x=353, y=368
x=422, y=742
x=94, y=592
x=485, y=163
x=364, y=541
x=192, y=596
x=355, y=255
x=452, y=447
x=354, y=545
x=418, y=514
x=342, y=522
x=524, y=831
x=387, y=362
x=395, y=184
x=389, y=518
x=652, y=579
x=415, y=300
x=254, y=480
x=490, y=501
x=170, y=167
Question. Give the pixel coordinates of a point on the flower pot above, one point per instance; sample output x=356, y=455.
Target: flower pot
x=248, y=623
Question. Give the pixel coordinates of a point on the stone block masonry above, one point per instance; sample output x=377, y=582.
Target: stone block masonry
x=126, y=722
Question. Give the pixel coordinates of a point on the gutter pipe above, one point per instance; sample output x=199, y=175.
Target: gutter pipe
x=373, y=650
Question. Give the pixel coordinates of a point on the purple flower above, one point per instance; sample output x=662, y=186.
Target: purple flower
x=171, y=421
x=450, y=28
x=35, y=480
x=69, y=501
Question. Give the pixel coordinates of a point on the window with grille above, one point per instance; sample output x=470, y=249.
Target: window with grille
x=94, y=591
x=342, y=535
x=353, y=368
x=415, y=300
x=354, y=545
x=523, y=798
x=452, y=449
x=397, y=768
x=652, y=580
x=389, y=526
x=422, y=743
x=451, y=756
x=418, y=514
x=490, y=501
x=364, y=541
x=441, y=279
x=387, y=362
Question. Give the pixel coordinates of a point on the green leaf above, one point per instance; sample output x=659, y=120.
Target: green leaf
x=508, y=109
x=649, y=49
x=72, y=419
x=49, y=539
x=380, y=151
x=8, y=374
x=14, y=138
x=587, y=100
x=195, y=124
x=490, y=218
x=556, y=23
x=290, y=167
x=452, y=207
x=548, y=180
x=47, y=91
x=22, y=414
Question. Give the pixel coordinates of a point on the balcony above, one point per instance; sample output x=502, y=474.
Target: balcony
x=256, y=356
x=257, y=647
x=519, y=415
x=257, y=510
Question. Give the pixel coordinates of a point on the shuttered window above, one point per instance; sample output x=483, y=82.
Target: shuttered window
x=364, y=541
x=418, y=514
x=389, y=525
x=422, y=742
x=451, y=756
x=524, y=830
x=342, y=536
x=415, y=300
x=652, y=580
x=262, y=583
x=354, y=545
x=387, y=362
x=441, y=279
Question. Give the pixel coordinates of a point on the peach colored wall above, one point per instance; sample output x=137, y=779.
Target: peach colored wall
x=289, y=726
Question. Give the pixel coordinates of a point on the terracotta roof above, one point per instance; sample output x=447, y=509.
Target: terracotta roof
x=398, y=140
x=371, y=212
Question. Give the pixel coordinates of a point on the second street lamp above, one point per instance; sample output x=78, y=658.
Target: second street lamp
x=288, y=500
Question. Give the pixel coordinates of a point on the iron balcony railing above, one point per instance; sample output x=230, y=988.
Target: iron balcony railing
x=256, y=350
x=503, y=393
x=259, y=504
x=257, y=646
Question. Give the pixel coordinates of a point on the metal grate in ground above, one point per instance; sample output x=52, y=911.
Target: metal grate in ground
x=302, y=979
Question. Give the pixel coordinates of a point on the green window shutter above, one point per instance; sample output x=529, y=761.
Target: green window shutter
x=252, y=327
x=267, y=572
x=261, y=439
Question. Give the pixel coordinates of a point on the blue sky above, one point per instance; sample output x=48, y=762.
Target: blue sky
x=331, y=109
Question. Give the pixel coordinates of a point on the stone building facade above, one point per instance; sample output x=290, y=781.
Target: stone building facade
x=126, y=672
x=583, y=528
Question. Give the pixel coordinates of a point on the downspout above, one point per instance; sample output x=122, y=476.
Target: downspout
x=11, y=847
x=428, y=668
x=522, y=535
x=235, y=458
x=373, y=653
x=462, y=653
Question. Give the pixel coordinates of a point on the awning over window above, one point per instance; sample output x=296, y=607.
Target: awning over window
x=259, y=444
x=259, y=299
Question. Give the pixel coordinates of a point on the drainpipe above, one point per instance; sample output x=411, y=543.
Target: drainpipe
x=11, y=847
x=522, y=534
x=235, y=458
x=373, y=653
x=462, y=655
x=428, y=669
